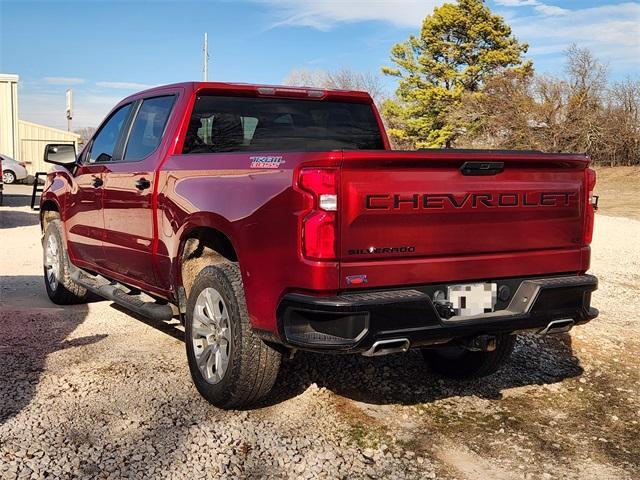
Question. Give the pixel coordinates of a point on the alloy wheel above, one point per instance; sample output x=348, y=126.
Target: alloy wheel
x=52, y=262
x=8, y=177
x=211, y=335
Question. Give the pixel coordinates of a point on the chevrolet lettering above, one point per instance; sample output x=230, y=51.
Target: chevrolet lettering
x=468, y=200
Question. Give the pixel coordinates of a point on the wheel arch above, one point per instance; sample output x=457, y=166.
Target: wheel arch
x=202, y=245
x=49, y=209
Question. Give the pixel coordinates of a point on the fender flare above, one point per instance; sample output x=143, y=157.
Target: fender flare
x=193, y=222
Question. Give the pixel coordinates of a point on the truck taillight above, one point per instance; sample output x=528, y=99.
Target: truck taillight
x=591, y=200
x=319, y=223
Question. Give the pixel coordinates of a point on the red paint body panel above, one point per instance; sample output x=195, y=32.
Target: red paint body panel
x=459, y=231
x=257, y=209
x=128, y=219
x=417, y=271
x=438, y=218
x=84, y=223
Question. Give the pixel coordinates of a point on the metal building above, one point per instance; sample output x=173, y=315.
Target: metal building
x=9, y=144
x=21, y=140
x=33, y=138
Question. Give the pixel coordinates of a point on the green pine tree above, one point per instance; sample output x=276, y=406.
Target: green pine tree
x=461, y=46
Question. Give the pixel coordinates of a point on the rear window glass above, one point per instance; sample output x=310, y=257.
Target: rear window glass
x=232, y=124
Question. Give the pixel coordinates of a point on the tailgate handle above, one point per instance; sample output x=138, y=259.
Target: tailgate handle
x=482, y=168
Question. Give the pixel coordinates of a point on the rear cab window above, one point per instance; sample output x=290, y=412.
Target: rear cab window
x=253, y=124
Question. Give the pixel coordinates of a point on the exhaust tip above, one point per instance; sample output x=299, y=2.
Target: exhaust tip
x=385, y=347
x=562, y=325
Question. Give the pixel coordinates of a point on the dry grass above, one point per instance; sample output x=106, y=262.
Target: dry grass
x=619, y=191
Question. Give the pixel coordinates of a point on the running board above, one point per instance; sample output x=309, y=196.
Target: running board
x=115, y=292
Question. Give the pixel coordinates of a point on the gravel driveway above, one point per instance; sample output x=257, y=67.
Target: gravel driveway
x=92, y=391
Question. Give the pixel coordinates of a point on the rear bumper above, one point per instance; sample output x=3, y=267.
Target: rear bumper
x=354, y=322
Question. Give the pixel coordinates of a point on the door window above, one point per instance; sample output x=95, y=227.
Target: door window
x=148, y=127
x=105, y=142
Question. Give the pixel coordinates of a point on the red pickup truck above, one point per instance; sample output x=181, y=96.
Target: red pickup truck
x=272, y=219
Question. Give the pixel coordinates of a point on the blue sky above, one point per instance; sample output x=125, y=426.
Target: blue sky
x=107, y=50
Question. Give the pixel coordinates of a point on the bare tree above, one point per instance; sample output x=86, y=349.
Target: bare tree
x=504, y=115
x=303, y=77
x=620, y=124
x=586, y=74
x=587, y=80
x=580, y=112
x=342, y=79
x=85, y=133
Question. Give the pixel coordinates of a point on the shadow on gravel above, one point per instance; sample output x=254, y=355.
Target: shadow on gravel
x=28, y=334
x=406, y=379
x=13, y=219
x=171, y=328
x=22, y=199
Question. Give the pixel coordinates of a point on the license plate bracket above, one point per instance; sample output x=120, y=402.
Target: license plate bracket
x=470, y=299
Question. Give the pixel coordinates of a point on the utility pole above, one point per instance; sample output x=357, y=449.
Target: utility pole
x=69, y=108
x=206, y=58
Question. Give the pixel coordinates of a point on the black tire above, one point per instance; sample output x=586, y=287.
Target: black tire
x=9, y=178
x=252, y=364
x=63, y=291
x=457, y=362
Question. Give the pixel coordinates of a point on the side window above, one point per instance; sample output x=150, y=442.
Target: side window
x=249, y=125
x=148, y=127
x=104, y=143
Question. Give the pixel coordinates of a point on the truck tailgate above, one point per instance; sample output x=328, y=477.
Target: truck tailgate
x=403, y=209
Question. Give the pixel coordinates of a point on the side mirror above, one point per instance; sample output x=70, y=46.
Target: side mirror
x=60, y=154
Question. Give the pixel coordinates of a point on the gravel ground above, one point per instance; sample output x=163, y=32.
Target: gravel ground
x=91, y=391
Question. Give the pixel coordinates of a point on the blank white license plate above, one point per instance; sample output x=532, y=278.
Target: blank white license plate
x=473, y=298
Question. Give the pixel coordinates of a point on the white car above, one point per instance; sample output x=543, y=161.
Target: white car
x=1, y=185
x=12, y=170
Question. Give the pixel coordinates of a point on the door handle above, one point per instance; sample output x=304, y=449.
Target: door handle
x=97, y=182
x=143, y=184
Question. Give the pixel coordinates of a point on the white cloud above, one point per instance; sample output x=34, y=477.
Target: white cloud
x=324, y=14
x=124, y=85
x=44, y=101
x=551, y=9
x=63, y=80
x=49, y=108
x=612, y=32
x=517, y=3
x=538, y=6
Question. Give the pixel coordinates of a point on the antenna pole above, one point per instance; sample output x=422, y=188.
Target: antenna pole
x=206, y=58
